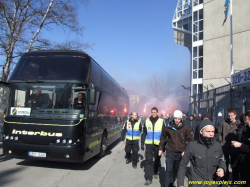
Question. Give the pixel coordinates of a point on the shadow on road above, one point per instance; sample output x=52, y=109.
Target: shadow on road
x=67, y=165
x=7, y=175
x=4, y=158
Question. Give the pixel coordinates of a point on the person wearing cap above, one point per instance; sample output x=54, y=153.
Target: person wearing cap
x=219, y=120
x=206, y=157
x=227, y=134
x=132, y=130
x=178, y=135
x=151, y=134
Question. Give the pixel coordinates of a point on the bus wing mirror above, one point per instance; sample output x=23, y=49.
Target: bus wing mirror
x=92, y=95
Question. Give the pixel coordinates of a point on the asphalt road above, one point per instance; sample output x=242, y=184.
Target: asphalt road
x=110, y=171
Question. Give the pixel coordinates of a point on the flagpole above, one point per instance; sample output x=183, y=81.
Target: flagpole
x=231, y=34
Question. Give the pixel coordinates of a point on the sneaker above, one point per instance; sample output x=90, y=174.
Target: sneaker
x=148, y=182
x=156, y=176
x=134, y=166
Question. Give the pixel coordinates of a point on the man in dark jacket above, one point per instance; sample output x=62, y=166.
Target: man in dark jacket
x=37, y=99
x=227, y=134
x=244, y=147
x=132, y=129
x=79, y=101
x=151, y=137
x=206, y=157
x=178, y=135
x=219, y=120
x=192, y=123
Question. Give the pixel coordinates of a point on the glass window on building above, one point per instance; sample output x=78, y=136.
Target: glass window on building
x=201, y=50
x=195, y=16
x=195, y=52
x=201, y=25
x=195, y=37
x=195, y=27
x=200, y=14
x=201, y=35
x=195, y=74
x=195, y=63
x=185, y=24
x=200, y=88
x=194, y=89
x=179, y=24
x=200, y=62
x=201, y=73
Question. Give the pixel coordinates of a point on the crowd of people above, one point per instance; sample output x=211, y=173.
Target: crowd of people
x=210, y=148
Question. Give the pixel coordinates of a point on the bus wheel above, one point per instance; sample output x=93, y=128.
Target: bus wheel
x=104, y=145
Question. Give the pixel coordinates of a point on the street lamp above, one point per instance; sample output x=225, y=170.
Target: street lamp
x=186, y=88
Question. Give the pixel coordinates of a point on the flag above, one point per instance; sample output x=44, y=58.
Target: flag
x=227, y=4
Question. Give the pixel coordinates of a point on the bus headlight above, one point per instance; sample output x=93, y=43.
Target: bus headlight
x=70, y=141
x=64, y=141
x=58, y=141
x=11, y=138
x=16, y=138
x=7, y=137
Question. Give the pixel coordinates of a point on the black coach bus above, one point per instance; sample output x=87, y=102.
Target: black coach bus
x=63, y=106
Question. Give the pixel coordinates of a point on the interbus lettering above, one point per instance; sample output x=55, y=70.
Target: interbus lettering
x=42, y=133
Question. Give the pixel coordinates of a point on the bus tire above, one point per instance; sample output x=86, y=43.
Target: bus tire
x=103, y=146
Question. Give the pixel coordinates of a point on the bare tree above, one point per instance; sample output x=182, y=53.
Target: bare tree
x=156, y=86
x=21, y=23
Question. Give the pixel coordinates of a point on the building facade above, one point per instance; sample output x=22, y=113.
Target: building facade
x=198, y=26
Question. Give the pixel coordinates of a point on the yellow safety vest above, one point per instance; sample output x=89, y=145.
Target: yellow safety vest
x=153, y=132
x=133, y=134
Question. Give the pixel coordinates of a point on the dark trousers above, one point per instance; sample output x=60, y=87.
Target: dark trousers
x=172, y=164
x=235, y=166
x=150, y=167
x=132, y=145
x=245, y=169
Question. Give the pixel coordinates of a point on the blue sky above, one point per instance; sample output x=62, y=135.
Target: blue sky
x=133, y=40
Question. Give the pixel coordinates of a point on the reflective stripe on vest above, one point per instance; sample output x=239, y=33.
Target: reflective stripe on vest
x=153, y=137
x=133, y=134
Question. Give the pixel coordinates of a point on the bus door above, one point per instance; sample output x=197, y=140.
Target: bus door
x=94, y=129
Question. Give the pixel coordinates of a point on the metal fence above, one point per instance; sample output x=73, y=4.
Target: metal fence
x=221, y=99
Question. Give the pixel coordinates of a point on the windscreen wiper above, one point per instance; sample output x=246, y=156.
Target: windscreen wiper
x=33, y=81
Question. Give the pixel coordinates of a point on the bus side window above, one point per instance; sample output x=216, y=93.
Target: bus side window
x=94, y=108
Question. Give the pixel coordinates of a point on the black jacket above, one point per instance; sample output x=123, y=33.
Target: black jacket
x=192, y=124
x=245, y=139
x=218, y=122
x=39, y=100
x=124, y=128
x=79, y=105
x=205, y=160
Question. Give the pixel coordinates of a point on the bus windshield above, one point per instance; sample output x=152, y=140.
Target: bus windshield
x=47, y=100
x=51, y=68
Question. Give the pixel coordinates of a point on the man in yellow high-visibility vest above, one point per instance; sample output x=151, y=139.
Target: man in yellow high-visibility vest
x=151, y=134
x=132, y=130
